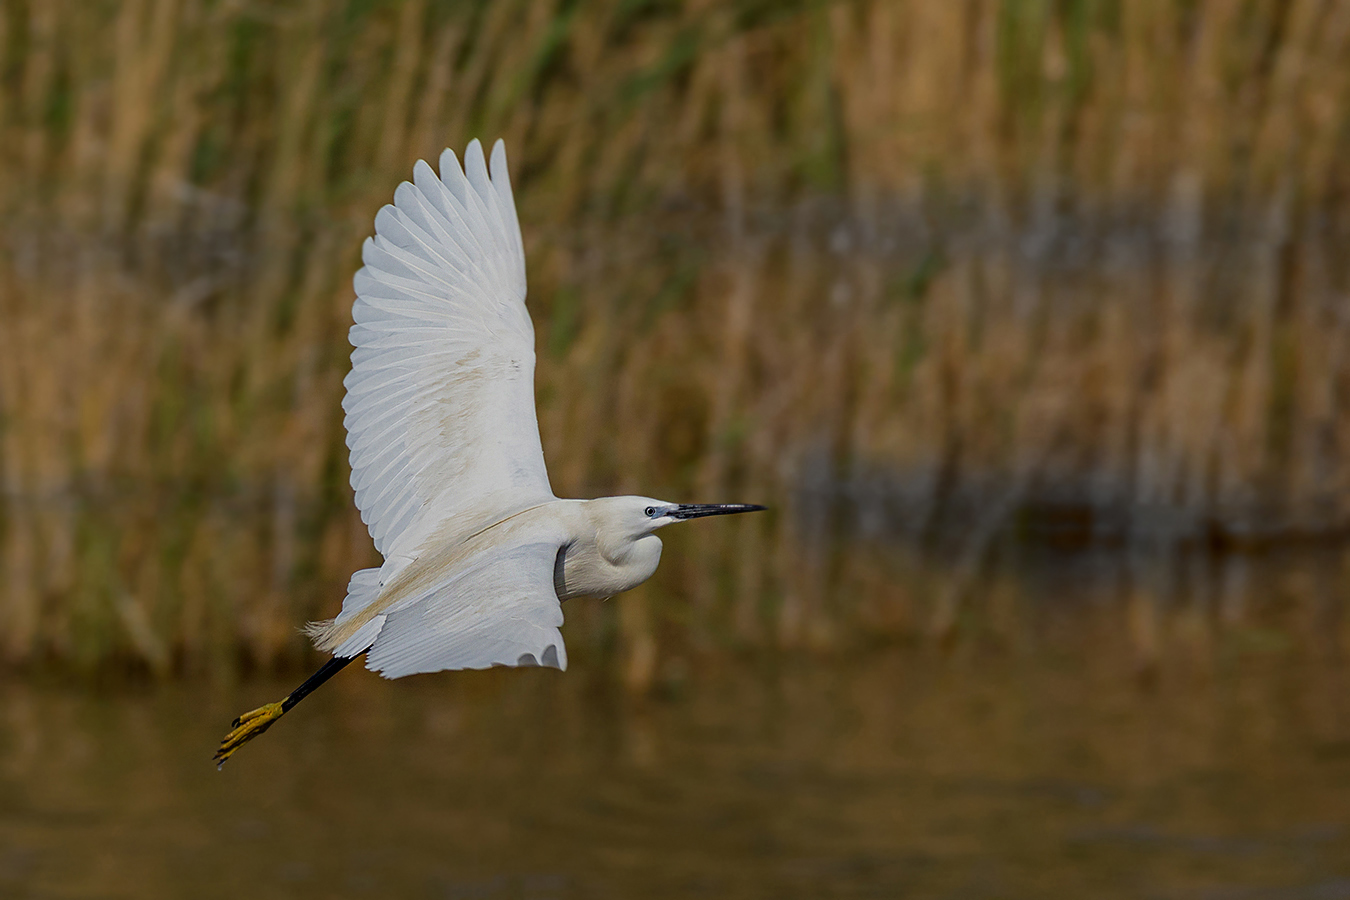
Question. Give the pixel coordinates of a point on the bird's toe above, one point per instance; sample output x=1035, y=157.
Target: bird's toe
x=245, y=728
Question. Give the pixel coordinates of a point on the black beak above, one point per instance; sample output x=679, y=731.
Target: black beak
x=698, y=510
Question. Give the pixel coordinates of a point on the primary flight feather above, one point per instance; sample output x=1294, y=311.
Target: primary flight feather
x=446, y=461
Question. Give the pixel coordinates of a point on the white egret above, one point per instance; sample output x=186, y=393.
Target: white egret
x=445, y=455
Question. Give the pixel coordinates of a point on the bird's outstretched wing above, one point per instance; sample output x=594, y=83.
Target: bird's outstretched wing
x=499, y=610
x=440, y=399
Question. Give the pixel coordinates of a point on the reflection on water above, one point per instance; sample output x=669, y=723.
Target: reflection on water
x=1028, y=759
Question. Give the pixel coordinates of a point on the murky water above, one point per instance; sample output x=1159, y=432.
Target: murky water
x=1043, y=765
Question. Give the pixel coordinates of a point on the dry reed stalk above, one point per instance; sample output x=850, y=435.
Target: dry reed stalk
x=37, y=83
x=425, y=136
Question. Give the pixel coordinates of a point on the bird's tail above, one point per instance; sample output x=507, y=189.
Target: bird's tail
x=322, y=633
x=361, y=592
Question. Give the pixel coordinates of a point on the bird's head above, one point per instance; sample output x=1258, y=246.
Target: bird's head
x=640, y=516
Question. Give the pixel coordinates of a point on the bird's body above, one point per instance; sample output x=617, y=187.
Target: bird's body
x=447, y=467
x=606, y=558
x=582, y=548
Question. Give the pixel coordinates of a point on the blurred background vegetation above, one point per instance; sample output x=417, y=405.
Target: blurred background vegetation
x=923, y=276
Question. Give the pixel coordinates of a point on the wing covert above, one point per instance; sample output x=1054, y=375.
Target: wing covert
x=440, y=411
x=501, y=610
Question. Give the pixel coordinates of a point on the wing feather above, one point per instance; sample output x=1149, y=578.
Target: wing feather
x=440, y=399
x=500, y=610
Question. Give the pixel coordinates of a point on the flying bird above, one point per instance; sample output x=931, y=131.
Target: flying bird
x=445, y=455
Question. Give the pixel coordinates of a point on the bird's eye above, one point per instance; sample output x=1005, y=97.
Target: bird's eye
x=650, y=511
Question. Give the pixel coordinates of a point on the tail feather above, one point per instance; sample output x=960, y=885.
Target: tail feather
x=362, y=590
x=321, y=633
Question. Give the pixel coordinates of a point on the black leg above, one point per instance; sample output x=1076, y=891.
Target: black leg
x=255, y=722
x=326, y=671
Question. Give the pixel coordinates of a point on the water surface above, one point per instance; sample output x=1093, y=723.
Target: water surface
x=1050, y=765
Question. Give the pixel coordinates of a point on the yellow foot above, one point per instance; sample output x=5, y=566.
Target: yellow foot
x=246, y=728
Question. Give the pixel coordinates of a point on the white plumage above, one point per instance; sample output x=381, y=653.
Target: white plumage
x=440, y=399
x=446, y=461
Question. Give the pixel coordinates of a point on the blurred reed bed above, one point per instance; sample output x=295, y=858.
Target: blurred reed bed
x=947, y=271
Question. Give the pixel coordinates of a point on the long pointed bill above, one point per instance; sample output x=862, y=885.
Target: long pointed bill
x=698, y=510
